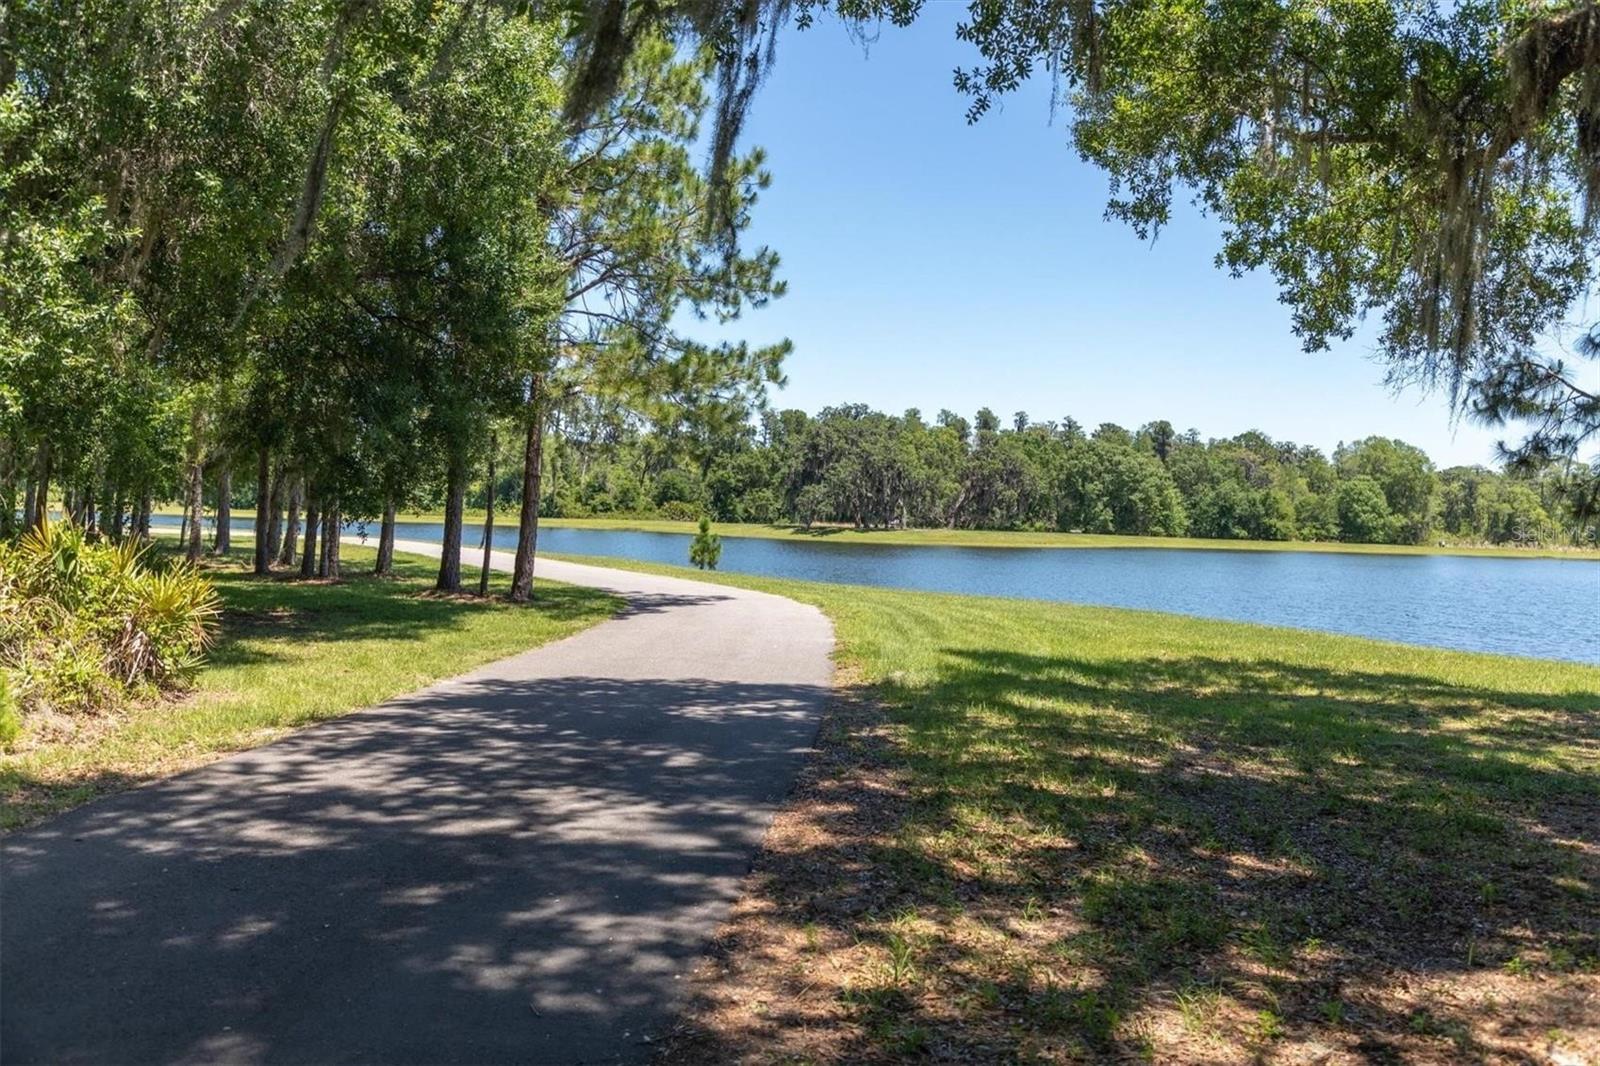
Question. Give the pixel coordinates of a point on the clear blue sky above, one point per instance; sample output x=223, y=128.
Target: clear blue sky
x=935, y=264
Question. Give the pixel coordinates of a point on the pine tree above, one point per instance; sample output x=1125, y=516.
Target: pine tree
x=707, y=547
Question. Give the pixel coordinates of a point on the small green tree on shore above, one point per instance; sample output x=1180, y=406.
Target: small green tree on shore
x=706, y=550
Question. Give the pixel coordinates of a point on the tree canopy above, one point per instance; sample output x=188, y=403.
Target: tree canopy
x=331, y=247
x=1431, y=165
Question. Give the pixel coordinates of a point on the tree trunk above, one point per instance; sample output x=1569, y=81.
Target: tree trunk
x=385, y=564
x=450, y=556
x=29, y=492
x=308, y=554
x=488, y=520
x=275, y=513
x=291, y=529
x=142, y=527
x=528, y=521
x=90, y=521
x=331, y=531
x=196, y=509
x=223, y=542
x=41, y=495
x=263, y=552
x=119, y=505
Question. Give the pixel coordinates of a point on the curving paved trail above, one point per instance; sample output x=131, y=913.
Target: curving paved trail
x=511, y=866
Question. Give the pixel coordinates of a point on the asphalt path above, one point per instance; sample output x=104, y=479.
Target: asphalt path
x=515, y=865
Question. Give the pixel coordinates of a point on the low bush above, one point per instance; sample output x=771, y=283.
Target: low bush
x=84, y=626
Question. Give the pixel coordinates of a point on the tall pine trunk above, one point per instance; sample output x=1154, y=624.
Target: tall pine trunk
x=454, y=501
x=291, y=528
x=528, y=520
x=385, y=564
x=263, y=552
x=308, y=554
x=223, y=542
x=488, y=520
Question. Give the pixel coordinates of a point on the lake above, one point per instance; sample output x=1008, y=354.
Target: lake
x=1547, y=608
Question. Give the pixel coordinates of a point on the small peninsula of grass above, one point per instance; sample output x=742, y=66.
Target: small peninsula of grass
x=289, y=653
x=1046, y=832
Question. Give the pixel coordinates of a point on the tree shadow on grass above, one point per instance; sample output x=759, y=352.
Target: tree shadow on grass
x=364, y=607
x=262, y=620
x=1196, y=858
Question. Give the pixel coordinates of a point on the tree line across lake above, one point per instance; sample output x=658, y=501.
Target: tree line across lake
x=856, y=465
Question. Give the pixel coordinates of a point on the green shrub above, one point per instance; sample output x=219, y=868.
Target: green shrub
x=83, y=626
x=679, y=511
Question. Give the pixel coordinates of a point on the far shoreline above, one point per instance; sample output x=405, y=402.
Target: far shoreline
x=982, y=538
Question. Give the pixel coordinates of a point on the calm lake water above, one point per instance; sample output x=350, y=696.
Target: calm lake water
x=1548, y=608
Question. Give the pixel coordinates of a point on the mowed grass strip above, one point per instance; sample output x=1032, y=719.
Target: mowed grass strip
x=289, y=653
x=1046, y=832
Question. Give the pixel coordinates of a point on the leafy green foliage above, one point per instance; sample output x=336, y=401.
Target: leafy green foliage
x=84, y=626
x=1432, y=164
x=851, y=464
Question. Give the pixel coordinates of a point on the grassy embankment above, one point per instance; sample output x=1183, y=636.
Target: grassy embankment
x=289, y=653
x=1000, y=538
x=1043, y=831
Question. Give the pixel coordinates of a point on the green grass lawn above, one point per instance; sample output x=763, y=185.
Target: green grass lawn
x=291, y=653
x=1000, y=538
x=1058, y=832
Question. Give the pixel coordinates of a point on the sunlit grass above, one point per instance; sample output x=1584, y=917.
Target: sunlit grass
x=1122, y=833
x=291, y=653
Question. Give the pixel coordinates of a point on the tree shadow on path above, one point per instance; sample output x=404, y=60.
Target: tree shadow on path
x=494, y=870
